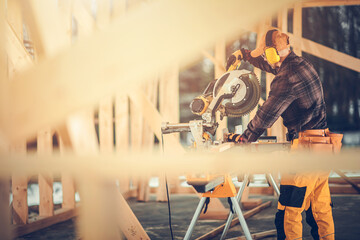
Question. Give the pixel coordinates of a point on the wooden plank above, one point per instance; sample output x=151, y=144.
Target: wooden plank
x=154, y=119
x=259, y=235
x=79, y=61
x=5, y=230
x=129, y=224
x=330, y=54
x=19, y=189
x=84, y=19
x=18, y=56
x=329, y=3
x=234, y=222
x=348, y=180
x=106, y=130
x=338, y=180
x=67, y=180
x=35, y=224
x=122, y=137
x=342, y=189
x=14, y=17
x=44, y=147
x=46, y=27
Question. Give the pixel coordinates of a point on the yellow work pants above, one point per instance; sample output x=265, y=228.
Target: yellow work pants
x=309, y=192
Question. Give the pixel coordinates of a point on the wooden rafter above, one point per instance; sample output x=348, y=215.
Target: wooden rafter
x=329, y=54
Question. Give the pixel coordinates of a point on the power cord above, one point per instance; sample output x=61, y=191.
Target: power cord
x=167, y=194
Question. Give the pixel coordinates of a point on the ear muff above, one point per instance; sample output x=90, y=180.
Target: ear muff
x=271, y=53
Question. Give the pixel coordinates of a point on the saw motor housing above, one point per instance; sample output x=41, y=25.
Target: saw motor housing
x=234, y=94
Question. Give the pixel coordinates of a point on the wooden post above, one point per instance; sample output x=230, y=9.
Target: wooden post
x=297, y=23
x=220, y=56
x=169, y=109
x=5, y=229
x=44, y=147
x=67, y=181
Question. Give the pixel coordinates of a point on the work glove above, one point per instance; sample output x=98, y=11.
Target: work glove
x=234, y=60
x=236, y=138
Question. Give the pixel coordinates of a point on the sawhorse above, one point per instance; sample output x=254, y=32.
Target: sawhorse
x=224, y=189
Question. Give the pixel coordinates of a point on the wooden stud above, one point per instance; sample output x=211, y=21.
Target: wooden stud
x=106, y=130
x=122, y=136
x=84, y=19
x=44, y=147
x=235, y=221
x=5, y=230
x=220, y=56
x=19, y=190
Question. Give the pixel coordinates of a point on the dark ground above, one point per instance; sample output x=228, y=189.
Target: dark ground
x=154, y=218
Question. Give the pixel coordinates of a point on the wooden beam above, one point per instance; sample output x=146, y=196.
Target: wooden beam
x=330, y=54
x=45, y=24
x=154, y=119
x=348, y=180
x=84, y=19
x=329, y=3
x=234, y=222
x=18, y=56
x=215, y=61
x=106, y=130
x=37, y=223
x=44, y=147
x=75, y=68
x=129, y=224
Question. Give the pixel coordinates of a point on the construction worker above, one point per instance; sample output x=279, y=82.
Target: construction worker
x=296, y=94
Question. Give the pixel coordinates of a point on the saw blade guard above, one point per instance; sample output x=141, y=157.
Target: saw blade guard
x=243, y=87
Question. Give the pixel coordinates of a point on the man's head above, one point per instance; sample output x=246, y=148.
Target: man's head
x=274, y=47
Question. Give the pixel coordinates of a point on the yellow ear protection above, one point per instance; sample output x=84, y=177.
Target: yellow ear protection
x=271, y=53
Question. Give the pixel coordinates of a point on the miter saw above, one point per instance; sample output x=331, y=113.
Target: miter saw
x=234, y=94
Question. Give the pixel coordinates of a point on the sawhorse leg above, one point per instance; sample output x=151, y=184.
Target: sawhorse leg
x=272, y=182
x=195, y=218
x=230, y=217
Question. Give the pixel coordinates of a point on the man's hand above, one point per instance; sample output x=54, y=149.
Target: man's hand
x=236, y=138
x=234, y=60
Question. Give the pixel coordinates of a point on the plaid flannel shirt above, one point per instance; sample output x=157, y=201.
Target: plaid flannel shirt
x=296, y=94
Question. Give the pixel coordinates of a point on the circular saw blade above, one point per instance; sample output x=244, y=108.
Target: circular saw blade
x=247, y=96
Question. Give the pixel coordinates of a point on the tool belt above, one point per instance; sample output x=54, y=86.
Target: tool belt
x=318, y=140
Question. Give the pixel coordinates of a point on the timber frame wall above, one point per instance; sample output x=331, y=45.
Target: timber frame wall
x=134, y=115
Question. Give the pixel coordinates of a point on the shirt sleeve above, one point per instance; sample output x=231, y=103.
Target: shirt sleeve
x=258, y=62
x=280, y=97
